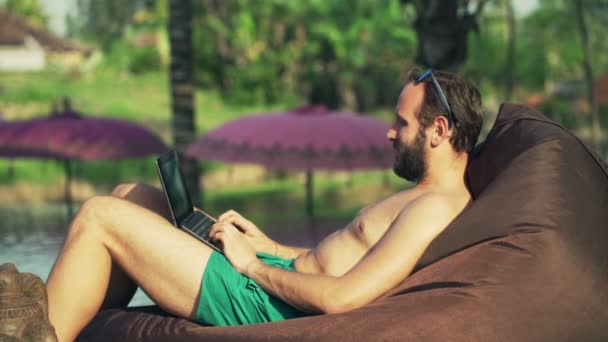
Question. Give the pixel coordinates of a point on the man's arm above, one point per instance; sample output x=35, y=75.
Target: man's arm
x=260, y=241
x=384, y=266
x=289, y=252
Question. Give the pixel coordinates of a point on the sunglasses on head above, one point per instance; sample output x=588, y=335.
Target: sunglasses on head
x=444, y=101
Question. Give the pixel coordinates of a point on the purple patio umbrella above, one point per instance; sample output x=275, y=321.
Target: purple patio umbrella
x=74, y=136
x=71, y=136
x=306, y=138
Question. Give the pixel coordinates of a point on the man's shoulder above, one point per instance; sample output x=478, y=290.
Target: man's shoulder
x=446, y=201
x=429, y=204
x=431, y=209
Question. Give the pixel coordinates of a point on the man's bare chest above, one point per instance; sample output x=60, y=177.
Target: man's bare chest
x=375, y=220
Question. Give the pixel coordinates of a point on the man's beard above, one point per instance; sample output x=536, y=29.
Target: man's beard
x=410, y=163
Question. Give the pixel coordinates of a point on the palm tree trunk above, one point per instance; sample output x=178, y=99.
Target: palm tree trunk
x=587, y=53
x=510, y=64
x=310, y=211
x=68, y=189
x=182, y=88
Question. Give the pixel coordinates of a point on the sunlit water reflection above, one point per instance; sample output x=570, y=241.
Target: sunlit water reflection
x=31, y=239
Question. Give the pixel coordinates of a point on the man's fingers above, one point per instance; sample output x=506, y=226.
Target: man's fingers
x=239, y=222
x=219, y=236
x=217, y=228
x=222, y=227
x=229, y=213
x=223, y=216
x=214, y=229
x=227, y=218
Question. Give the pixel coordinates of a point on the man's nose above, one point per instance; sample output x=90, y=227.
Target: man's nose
x=391, y=134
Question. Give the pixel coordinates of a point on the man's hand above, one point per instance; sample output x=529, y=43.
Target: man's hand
x=235, y=246
x=260, y=241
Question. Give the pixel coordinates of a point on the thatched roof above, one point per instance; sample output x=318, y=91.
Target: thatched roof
x=15, y=29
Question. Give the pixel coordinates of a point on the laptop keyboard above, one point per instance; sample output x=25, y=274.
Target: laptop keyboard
x=199, y=224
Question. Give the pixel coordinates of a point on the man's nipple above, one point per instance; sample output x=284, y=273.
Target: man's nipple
x=362, y=226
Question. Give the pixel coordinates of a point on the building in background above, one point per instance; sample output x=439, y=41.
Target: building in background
x=24, y=47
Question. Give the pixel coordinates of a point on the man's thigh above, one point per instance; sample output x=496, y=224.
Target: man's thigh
x=167, y=263
x=146, y=196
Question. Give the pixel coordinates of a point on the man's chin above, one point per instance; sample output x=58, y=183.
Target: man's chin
x=400, y=175
x=405, y=175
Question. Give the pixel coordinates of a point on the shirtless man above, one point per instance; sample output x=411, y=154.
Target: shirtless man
x=118, y=242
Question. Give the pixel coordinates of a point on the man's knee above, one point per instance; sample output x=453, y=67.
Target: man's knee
x=90, y=216
x=122, y=190
x=99, y=202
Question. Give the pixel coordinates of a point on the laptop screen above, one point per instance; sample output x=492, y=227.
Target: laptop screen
x=175, y=185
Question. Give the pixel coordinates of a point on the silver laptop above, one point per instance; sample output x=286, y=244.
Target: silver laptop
x=194, y=221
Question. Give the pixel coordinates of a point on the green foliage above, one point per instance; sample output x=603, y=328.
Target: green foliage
x=104, y=21
x=552, y=31
x=28, y=9
x=260, y=52
x=253, y=56
x=531, y=69
x=345, y=54
x=144, y=59
x=118, y=56
x=124, y=57
x=16, y=170
x=487, y=51
x=548, y=48
x=561, y=111
x=553, y=27
x=108, y=174
x=604, y=115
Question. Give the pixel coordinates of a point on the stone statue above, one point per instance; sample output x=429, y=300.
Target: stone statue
x=23, y=307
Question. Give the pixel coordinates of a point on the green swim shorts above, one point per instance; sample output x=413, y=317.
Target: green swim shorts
x=230, y=298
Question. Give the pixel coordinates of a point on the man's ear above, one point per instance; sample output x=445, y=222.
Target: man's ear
x=441, y=131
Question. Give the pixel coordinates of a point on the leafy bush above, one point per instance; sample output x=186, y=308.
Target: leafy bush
x=603, y=111
x=561, y=111
x=144, y=59
x=124, y=57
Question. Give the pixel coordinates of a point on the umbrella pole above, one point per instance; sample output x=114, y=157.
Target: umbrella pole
x=309, y=191
x=310, y=205
x=68, y=193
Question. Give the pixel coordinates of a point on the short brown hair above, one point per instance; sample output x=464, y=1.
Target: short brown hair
x=464, y=99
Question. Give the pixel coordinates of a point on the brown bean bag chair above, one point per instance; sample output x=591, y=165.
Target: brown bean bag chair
x=526, y=261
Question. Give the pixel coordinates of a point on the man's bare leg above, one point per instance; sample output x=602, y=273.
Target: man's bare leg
x=166, y=262
x=144, y=195
x=121, y=288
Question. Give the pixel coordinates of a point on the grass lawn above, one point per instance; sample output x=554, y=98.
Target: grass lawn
x=142, y=98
